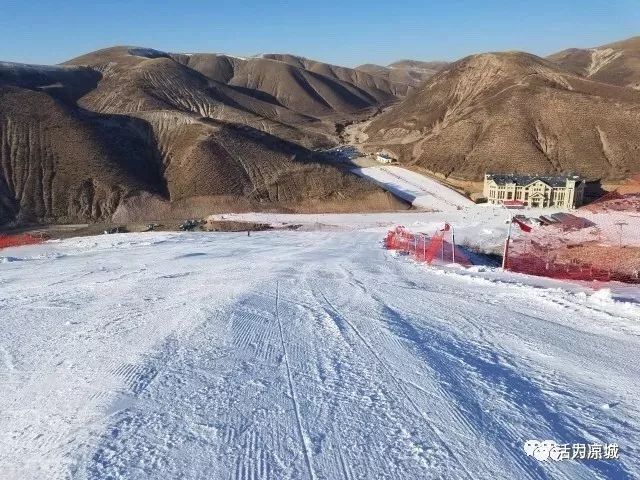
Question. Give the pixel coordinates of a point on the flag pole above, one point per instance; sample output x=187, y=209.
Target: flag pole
x=505, y=253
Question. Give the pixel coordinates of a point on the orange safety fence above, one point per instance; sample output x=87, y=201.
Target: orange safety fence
x=535, y=259
x=18, y=240
x=525, y=257
x=424, y=248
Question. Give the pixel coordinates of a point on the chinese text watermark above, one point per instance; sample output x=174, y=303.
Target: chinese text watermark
x=544, y=450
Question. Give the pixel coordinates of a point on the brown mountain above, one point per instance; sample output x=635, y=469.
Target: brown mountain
x=270, y=84
x=138, y=131
x=513, y=112
x=616, y=63
x=409, y=72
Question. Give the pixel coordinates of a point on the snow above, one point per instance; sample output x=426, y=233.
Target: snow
x=607, y=229
x=147, y=52
x=314, y=354
x=600, y=58
x=419, y=190
x=483, y=226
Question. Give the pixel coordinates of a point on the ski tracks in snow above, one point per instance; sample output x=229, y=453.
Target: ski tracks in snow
x=398, y=383
x=292, y=392
x=324, y=359
x=502, y=391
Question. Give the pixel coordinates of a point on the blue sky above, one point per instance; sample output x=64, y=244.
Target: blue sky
x=342, y=32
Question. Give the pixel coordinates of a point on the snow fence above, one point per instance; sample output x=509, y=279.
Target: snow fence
x=19, y=240
x=532, y=258
x=439, y=248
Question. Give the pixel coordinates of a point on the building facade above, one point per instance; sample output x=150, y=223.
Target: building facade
x=534, y=190
x=385, y=158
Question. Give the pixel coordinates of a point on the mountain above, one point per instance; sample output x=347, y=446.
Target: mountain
x=144, y=134
x=409, y=72
x=270, y=84
x=616, y=63
x=513, y=112
x=137, y=131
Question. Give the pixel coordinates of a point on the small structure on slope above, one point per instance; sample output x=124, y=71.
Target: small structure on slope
x=385, y=158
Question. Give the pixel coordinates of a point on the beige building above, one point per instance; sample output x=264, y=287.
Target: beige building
x=534, y=190
x=385, y=158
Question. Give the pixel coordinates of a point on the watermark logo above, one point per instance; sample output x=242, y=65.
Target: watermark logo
x=545, y=450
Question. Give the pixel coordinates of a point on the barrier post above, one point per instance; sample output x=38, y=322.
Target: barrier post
x=453, y=245
x=505, y=253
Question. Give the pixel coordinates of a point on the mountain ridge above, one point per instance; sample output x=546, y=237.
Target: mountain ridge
x=139, y=131
x=82, y=140
x=617, y=63
x=512, y=111
x=411, y=72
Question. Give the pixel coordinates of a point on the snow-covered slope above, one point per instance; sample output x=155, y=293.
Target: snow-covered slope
x=291, y=355
x=419, y=190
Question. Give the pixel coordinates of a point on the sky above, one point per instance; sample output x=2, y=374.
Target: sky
x=347, y=32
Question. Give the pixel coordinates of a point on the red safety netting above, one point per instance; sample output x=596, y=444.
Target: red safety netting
x=535, y=259
x=19, y=240
x=439, y=247
x=524, y=256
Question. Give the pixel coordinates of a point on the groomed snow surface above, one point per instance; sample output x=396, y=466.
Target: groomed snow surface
x=302, y=355
x=419, y=190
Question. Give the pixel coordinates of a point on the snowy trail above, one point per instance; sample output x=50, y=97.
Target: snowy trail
x=421, y=191
x=301, y=356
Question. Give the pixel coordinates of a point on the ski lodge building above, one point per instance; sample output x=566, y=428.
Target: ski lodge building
x=534, y=190
x=385, y=158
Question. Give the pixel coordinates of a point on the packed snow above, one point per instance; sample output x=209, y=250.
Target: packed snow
x=610, y=227
x=420, y=190
x=479, y=226
x=304, y=355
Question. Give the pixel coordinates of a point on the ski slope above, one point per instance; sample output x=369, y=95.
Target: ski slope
x=419, y=190
x=301, y=355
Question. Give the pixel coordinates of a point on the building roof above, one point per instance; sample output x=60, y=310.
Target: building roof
x=522, y=180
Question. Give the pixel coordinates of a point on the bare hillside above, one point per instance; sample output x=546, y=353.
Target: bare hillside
x=81, y=140
x=616, y=63
x=513, y=112
x=62, y=163
x=410, y=72
x=144, y=132
x=303, y=86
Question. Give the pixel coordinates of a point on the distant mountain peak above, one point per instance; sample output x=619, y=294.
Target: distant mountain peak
x=411, y=72
x=617, y=63
x=512, y=111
